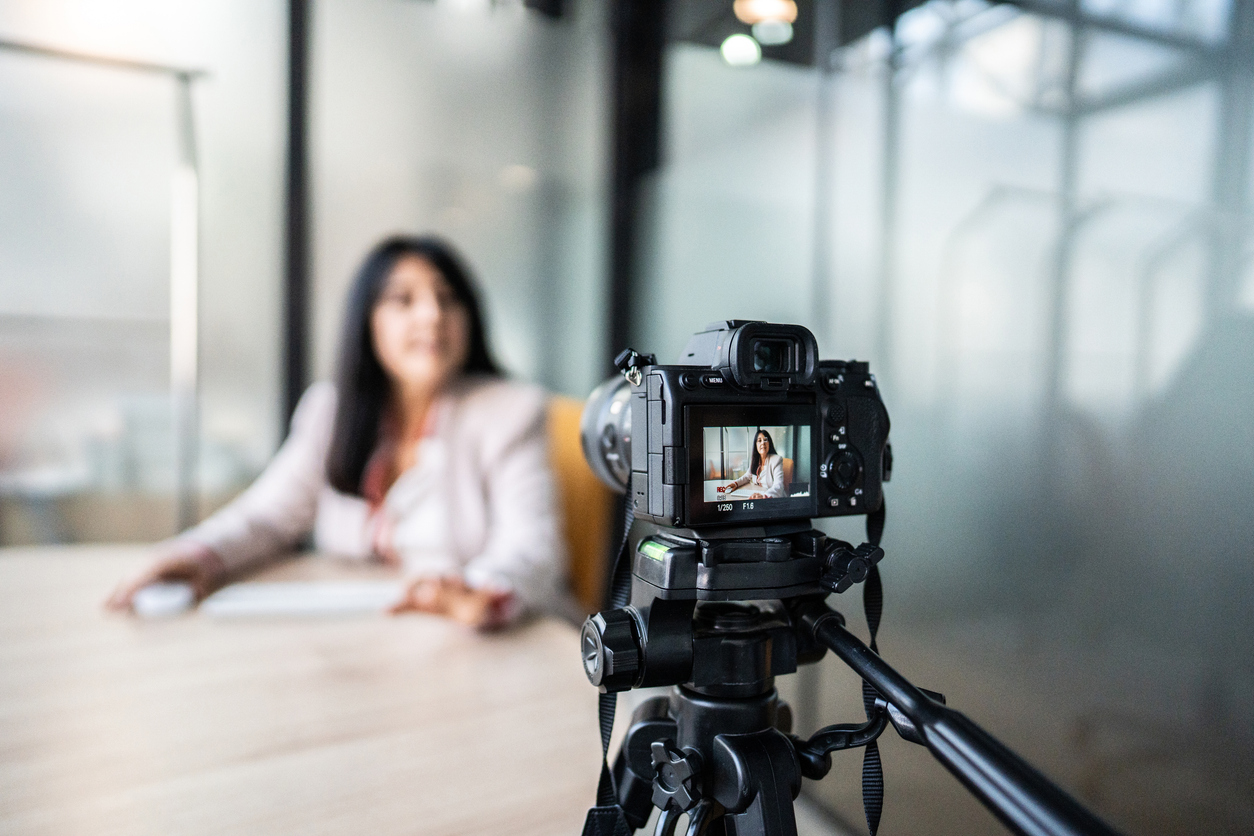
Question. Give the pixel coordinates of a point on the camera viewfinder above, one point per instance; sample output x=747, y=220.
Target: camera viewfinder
x=772, y=356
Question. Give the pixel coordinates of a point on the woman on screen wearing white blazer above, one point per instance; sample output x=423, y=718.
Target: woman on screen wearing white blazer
x=766, y=470
x=421, y=454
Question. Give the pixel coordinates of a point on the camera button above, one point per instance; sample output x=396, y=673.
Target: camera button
x=835, y=412
x=689, y=380
x=843, y=470
x=713, y=381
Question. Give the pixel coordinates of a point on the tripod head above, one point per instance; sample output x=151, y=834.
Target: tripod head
x=692, y=593
x=718, y=617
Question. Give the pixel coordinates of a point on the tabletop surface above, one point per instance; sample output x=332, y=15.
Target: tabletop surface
x=365, y=724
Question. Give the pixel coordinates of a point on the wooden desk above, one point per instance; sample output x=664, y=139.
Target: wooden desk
x=110, y=724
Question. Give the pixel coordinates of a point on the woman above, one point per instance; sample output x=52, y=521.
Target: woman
x=766, y=470
x=421, y=455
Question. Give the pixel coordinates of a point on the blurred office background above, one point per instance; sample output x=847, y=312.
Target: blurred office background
x=1031, y=217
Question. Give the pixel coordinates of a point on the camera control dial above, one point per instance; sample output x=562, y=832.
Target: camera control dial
x=843, y=467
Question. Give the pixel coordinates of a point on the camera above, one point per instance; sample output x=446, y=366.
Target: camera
x=750, y=427
x=721, y=585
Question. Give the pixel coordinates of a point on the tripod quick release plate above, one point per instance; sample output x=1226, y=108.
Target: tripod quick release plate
x=728, y=570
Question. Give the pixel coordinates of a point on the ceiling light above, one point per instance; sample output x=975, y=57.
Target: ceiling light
x=755, y=11
x=741, y=51
x=772, y=32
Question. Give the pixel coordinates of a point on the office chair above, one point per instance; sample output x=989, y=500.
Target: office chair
x=587, y=506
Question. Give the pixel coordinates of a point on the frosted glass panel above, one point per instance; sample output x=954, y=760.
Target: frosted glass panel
x=84, y=285
x=483, y=124
x=87, y=155
x=1066, y=360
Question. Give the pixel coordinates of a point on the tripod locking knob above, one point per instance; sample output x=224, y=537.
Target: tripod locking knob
x=843, y=565
x=677, y=770
x=611, y=650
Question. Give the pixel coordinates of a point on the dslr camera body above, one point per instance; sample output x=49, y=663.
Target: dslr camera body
x=683, y=439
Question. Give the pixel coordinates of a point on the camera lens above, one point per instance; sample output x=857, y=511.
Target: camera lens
x=770, y=356
x=605, y=432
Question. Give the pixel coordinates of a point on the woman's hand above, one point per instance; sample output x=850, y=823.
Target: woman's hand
x=757, y=496
x=450, y=597
x=176, y=561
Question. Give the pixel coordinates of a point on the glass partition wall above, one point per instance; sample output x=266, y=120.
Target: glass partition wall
x=84, y=304
x=481, y=122
x=1032, y=218
x=126, y=408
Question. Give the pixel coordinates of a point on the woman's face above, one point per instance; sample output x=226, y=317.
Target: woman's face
x=763, y=445
x=419, y=328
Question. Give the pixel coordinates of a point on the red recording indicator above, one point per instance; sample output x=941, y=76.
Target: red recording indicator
x=720, y=488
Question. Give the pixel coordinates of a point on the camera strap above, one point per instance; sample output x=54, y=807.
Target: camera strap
x=873, y=606
x=608, y=818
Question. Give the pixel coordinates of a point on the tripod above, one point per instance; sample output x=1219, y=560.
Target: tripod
x=721, y=752
x=719, y=748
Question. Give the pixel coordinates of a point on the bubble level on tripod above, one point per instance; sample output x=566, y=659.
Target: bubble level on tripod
x=653, y=549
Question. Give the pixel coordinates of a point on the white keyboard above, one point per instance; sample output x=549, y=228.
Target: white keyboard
x=309, y=598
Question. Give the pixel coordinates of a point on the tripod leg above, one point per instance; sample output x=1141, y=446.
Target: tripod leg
x=703, y=816
x=633, y=770
x=756, y=778
x=666, y=822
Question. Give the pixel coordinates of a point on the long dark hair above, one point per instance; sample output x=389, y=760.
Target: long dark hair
x=755, y=462
x=362, y=385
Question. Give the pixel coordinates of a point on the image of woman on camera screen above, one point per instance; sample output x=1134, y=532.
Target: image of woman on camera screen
x=766, y=470
x=421, y=455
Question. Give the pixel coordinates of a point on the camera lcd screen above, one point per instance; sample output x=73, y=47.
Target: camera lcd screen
x=756, y=462
x=753, y=463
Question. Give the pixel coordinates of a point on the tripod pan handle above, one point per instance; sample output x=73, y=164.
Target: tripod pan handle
x=1025, y=800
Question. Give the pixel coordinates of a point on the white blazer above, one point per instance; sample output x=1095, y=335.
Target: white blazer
x=480, y=501
x=771, y=482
